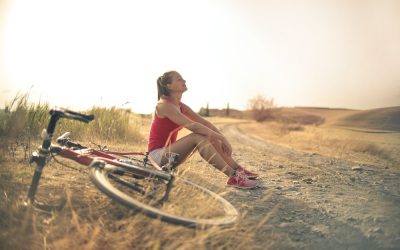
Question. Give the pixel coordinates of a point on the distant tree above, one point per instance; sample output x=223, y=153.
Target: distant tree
x=261, y=108
x=205, y=111
x=227, y=111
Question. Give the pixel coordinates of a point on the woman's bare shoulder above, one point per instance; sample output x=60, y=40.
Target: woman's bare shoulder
x=165, y=108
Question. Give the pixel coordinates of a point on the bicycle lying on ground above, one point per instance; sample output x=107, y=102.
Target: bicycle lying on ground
x=132, y=180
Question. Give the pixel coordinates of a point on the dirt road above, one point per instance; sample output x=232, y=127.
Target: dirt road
x=309, y=201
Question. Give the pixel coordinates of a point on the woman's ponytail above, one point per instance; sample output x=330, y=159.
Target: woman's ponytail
x=162, y=82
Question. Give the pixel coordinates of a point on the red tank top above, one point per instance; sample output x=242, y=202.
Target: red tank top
x=163, y=131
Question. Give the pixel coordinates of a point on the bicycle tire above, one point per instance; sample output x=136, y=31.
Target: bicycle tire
x=172, y=210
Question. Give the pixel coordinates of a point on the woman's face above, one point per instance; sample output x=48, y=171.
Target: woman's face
x=178, y=84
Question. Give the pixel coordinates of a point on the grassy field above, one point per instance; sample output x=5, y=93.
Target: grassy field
x=89, y=220
x=92, y=221
x=353, y=145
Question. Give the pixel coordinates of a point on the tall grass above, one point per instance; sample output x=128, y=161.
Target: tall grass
x=114, y=124
x=21, y=123
x=21, y=118
x=110, y=125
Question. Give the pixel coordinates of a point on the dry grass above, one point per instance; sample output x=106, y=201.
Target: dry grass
x=90, y=220
x=22, y=122
x=350, y=144
x=357, y=146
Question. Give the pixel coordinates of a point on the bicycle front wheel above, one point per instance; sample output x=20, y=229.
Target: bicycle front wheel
x=182, y=202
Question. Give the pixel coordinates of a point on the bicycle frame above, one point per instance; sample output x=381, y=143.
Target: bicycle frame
x=86, y=156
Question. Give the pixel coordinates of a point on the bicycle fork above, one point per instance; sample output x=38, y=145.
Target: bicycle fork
x=41, y=157
x=40, y=160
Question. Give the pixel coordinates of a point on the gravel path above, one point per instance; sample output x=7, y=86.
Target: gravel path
x=309, y=201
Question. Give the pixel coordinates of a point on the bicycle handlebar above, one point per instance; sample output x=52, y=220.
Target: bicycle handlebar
x=58, y=113
x=65, y=113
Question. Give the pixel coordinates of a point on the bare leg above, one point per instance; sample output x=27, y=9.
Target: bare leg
x=227, y=158
x=232, y=163
x=186, y=145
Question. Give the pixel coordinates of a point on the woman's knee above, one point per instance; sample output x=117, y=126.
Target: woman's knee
x=198, y=138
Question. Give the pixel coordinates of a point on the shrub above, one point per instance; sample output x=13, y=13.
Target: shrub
x=261, y=108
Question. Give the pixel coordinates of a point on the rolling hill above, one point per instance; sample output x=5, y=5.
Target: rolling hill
x=387, y=119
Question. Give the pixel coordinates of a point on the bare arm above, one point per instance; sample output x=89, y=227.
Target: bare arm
x=172, y=112
x=196, y=117
x=194, y=123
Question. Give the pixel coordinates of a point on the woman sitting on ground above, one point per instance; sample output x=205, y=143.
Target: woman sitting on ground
x=171, y=115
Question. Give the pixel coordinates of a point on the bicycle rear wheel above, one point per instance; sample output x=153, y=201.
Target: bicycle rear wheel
x=187, y=203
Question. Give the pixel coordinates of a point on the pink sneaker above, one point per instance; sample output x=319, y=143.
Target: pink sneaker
x=247, y=173
x=240, y=181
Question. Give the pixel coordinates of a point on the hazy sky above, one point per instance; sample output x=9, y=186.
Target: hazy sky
x=80, y=53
